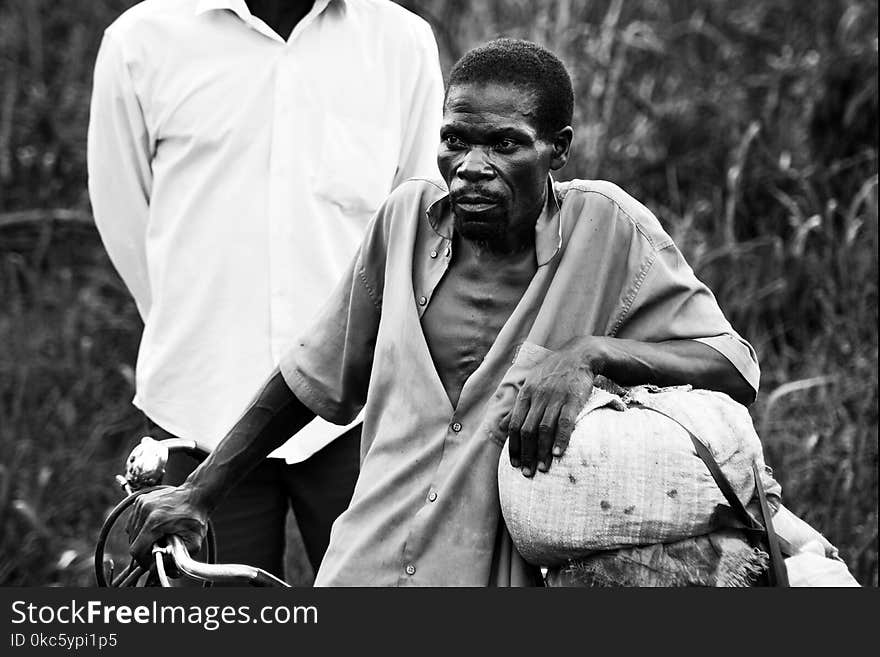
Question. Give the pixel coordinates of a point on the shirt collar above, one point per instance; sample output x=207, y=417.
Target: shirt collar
x=241, y=9
x=548, y=228
x=238, y=6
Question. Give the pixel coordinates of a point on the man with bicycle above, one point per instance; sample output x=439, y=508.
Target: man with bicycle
x=457, y=280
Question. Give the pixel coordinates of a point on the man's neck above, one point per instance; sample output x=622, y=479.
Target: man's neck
x=491, y=252
x=281, y=15
x=508, y=246
x=490, y=258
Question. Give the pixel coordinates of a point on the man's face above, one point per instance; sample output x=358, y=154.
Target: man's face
x=496, y=164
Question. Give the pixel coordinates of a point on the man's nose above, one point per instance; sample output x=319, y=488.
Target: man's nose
x=475, y=166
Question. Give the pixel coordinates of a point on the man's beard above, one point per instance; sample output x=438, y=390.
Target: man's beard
x=484, y=233
x=480, y=230
x=491, y=233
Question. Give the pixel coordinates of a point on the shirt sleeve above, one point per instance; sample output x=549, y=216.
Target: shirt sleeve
x=421, y=133
x=329, y=367
x=673, y=304
x=120, y=175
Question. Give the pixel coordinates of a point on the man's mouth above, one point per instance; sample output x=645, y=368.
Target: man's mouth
x=474, y=202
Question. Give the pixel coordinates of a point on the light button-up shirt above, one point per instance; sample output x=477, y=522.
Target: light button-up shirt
x=232, y=174
x=425, y=509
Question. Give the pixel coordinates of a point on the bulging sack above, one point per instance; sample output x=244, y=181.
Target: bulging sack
x=631, y=476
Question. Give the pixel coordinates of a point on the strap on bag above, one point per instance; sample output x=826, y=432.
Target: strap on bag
x=778, y=574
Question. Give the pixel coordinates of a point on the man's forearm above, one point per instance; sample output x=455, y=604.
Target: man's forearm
x=274, y=416
x=674, y=362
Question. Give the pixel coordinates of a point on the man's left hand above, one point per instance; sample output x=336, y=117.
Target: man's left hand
x=540, y=424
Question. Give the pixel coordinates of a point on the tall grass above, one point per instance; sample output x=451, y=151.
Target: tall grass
x=748, y=127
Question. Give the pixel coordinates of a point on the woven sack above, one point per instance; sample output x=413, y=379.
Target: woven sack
x=630, y=475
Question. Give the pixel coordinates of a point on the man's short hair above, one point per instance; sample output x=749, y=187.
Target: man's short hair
x=527, y=66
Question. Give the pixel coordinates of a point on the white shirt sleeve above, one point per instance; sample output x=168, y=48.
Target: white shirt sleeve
x=421, y=133
x=120, y=176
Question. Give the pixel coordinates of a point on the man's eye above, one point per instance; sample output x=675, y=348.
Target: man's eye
x=505, y=145
x=453, y=141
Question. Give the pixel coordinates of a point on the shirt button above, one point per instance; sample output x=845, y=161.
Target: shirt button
x=432, y=496
x=433, y=254
x=456, y=426
x=423, y=301
x=410, y=570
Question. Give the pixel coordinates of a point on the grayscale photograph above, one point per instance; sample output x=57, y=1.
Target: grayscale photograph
x=437, y=293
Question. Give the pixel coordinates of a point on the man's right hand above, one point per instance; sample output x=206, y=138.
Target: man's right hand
x=273, y=416
x=165, y=512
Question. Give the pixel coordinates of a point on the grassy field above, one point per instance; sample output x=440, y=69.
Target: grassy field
x=750, y=128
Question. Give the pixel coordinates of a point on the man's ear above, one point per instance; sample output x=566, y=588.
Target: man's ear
x=561, y=142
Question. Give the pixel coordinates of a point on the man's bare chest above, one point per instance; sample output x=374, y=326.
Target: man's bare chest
x=468, y=309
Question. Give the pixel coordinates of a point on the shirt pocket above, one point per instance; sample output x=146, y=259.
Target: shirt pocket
x=357, y=163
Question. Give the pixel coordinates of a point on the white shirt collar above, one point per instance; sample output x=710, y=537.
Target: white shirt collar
x=238, y=6
x=241, y=9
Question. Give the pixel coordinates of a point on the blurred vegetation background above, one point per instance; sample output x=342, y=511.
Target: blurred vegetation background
x=749, y=128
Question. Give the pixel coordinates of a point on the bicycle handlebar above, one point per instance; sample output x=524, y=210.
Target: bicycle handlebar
x=219, y=573
x=145, y=468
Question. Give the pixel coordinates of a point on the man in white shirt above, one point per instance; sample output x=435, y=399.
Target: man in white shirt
x=237, y=150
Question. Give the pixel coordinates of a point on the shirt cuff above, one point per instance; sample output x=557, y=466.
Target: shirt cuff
x=309, y=393
x=739, y=353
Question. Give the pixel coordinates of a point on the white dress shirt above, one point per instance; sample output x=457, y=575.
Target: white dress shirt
x=232, y=175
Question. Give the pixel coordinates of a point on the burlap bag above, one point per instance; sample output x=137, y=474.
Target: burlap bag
x=631, y=476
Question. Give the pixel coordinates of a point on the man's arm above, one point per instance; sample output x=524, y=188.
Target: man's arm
x=274, y=416
x=672, y=304
x=549, y=401
x=670, y=363
x=120, y=177
x=325, y=372
x=672, y=333
x=424, y=111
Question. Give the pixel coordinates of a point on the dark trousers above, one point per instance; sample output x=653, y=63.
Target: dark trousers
x=250, y=521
